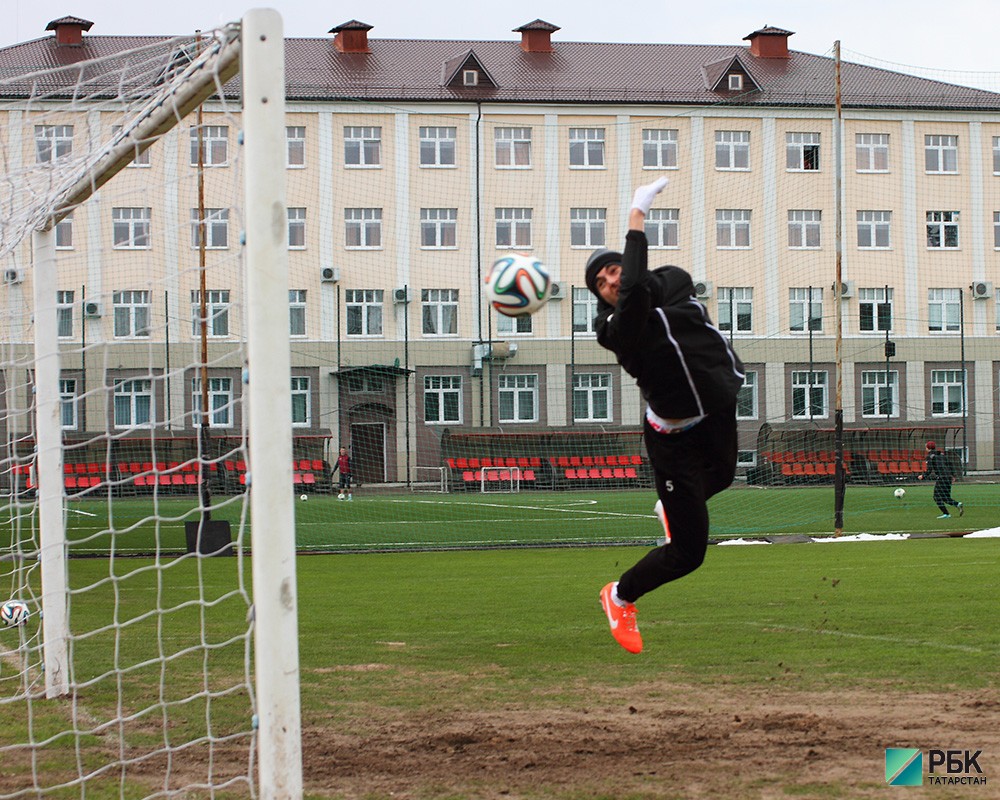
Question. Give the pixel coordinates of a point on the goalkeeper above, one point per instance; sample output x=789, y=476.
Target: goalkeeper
x=689, y=377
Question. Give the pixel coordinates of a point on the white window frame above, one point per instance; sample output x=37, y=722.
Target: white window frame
x=297, y=228
x=130, y=228
x=69, y=404
x=732, y=229
x=363, y=228
x=52, y=143
x=586, y=148
x=439, y=312
x=738, y=299
x=588, y=390
x=732, y=151
x=735, y=82
x=802, y=153
x=301, y=401
x=871, y=152
x=295, y=146
x=216, y=229
x=512, y=389
x=513, y=228
x=132, y=313
x=584, y=310
x=662, y=227
x=805, y=229
x=874, y=302
x=996, y=155
x=220, y=402
x=514, y=326
x=133, y=404
x=438, y=228
x=812, y=389
x=217, y=305
x=659, y=148
x=65, y=303
x=438, y=147
x=214, y=143
x=440, y=389
x=944, y=311
x=748, y=389
x=297, y=312
x=587, y=227
x=875, y=394
x=996, y=230
x=942, y=230
x=512, y=148
x=874, y=230
x=64, y=233
x=948, y=390
x=363, y=146
x=364, y=312
x=805, y=309
x=941, y=154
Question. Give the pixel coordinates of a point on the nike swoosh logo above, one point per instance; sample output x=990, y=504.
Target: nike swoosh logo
x=611, y=620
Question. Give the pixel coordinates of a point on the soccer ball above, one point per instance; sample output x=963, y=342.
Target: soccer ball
x=900, y=493
x=303, y=497
x=518, y=284
x=14, y=612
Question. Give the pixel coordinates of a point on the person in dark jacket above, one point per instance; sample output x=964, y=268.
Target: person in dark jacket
x=343, y=465
x=689, y=377
x=940, y=471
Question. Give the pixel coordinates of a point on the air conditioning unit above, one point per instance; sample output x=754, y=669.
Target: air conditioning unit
x=982, y=290
x=401, y=295
x=556, y=291
x=92, y=308
x=12, y=275
x=846, y=289
x=702, y=289
x=329, y=274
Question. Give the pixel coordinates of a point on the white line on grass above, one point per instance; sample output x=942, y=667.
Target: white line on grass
x=867, y=636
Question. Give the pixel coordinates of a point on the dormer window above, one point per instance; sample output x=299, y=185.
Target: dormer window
x=470, y=77
x=735, y=82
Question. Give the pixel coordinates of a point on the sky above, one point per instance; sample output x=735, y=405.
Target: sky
x=955, y=40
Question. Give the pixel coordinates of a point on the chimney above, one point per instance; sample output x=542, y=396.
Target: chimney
x=351, y=37
x=69, y=30
x=536, y=37
x=769, y=42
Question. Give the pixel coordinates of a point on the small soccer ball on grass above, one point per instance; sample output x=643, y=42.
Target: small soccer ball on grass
x=303, y=497
x=518, y=284
x=900, y=493
x=14, y=613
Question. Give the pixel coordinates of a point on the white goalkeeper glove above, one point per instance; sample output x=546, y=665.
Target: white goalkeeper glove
x=645, y=195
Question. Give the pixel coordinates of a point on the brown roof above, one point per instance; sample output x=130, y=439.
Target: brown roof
x=575, y=72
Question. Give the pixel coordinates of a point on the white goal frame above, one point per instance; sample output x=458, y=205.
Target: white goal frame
x=500, y=480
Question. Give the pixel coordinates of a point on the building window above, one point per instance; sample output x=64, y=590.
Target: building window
x=805, y=309
x=512, y=325
x=437, y=147
x=732, y=228
x=996, y=155
x=214, y=145
x=947, y=393
x=944, y=310
x=513, y=227
x=804, y=229
x=517, y=398
x=941, y=154
x=443, y=399
x=363, y=228
x=216, y=228
x=735, y=82
x=295, y=146
x=301, y=417
x=220, y=402
x=873, y=230
x=592, y=397
x=875, y=309
x=996, y=230
x=133, y=404
x=296, y=229
x=364, y=311
x=130, y=228
x=872, y=152
x=942, y=230
x=732, y=150
x=439, y=311
x=512, y=148
x=363, y=146
x=68, y=402
x=586, y=148
x=736, y=302
x=64, y=233
x=64, y=313
x=297, y=312
x=802, y=152
x=438, y=228
x=809, y=394
x=659, y=149
x=132, y=313
x=584, y=310
x=53, y=142
x=587, y=227
x=746, y=398
x=364, y=382
x=141, y=156
x=216, y=312
x=878, y=395
x=662, y=227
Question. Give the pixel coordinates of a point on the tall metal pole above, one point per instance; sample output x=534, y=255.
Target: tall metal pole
x=838, y=414
x=206, y=497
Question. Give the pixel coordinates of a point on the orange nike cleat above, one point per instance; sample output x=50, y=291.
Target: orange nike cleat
x=622, y=621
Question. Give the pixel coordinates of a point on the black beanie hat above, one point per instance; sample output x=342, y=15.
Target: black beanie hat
x=597, y=261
